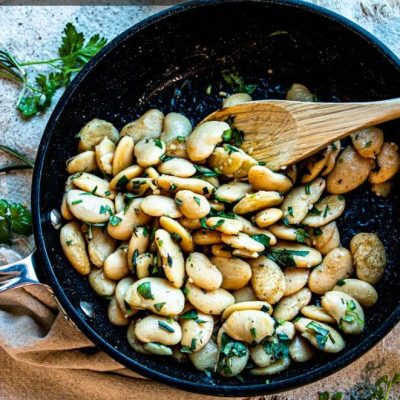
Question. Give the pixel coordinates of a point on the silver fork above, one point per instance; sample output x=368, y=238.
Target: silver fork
x=18, y=274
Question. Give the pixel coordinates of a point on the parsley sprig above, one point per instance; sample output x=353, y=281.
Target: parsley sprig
x=14, y=219
x=36, y=94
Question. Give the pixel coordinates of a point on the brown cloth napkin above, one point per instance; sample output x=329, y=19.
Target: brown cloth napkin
x=42, y=356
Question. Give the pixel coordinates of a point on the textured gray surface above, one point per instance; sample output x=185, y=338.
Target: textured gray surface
x=34, y=32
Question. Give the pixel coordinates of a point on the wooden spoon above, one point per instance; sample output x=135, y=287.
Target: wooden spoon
x=281, y=132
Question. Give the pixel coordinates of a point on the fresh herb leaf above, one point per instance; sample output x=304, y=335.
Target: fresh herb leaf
x=158, y=143
x=169, y=260
x=321, y=334
x=235, y=81
x=264, y=308
x=261, y=238
x=205, y=226
x=178, y=202
x=237, y=136
x=159, y=306
x=144, y=289
x=122, y=181
x=317, y=231
x=253, y=332
x=227, y=135
x=192, y=314
x=176, y=237
x=14, y=219
x=284, y=257
x=326, y=210
x=276, y=348
x=314, y=211
x=230, y=149
x=80, y=201
x=204, y=172
x=114, y=220
x=341, y=282
x=164, y=326
x=196, y=199
x=307, y=188
x=181, y=139
x=301, y=235
x=368, y=144
x=74, y=53
x=222, y=214
x=290, y=211
x=135, y=255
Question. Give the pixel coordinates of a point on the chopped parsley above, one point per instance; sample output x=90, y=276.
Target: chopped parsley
x=192, y=314
x=178, y=202
x=159, y=306
x=114, y=220
x=169, y=260
x=122, y=181
x=107, y=192
x=144, y=289
x=290, y=211
x=264, y=308
x=261, y=238
x=236, y=82
x=368, y=144
x=164, y=326
x=307, y=188
x=284, y=257
x=205, y=172
x=176, y=237
x=351, y=315
x=341, y=282
x=301, y=235
x=196, y=199
x=236, y=135
x=77, y=202
x=105, y=210
x=230, y=149
x=215, y=226
x=326, y=211
x=321, y=334
x=135, y=255
x=158, y=143
x=229, y=348
x=69, y=242
x=276, y=348
x=314, y=211
x=253, y=332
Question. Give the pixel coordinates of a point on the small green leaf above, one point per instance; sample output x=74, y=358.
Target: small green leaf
x=164, y=326
x=144, y=289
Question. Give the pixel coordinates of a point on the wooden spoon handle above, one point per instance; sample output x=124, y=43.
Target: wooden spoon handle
x=330, y=121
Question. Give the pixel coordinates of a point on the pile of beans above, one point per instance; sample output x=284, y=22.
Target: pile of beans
x=208, y=255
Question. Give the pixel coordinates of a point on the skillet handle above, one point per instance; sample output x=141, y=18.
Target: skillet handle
x=19, y=274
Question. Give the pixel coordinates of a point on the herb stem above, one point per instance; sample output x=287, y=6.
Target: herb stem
x=38, y=62
x=8, y=168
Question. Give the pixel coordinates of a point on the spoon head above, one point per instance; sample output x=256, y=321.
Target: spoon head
x=269, y=130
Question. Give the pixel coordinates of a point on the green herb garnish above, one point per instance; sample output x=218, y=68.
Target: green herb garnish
x=196, y=199
x=176, y=237
x=261, y=238
x=159, y=306
x=284, y=257
x=301, y=235
x=114, y=220
x=77, y=202
x=158, y=143
x=235, y=81
x=192, y=314
x=73, y=53
x=321, y=334
x=122, y=181
x=144, y=289
x=164, y=326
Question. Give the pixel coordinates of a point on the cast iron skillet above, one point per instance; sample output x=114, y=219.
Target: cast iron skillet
x=167, y=61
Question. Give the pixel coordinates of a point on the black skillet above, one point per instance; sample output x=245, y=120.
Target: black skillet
x=167, y=62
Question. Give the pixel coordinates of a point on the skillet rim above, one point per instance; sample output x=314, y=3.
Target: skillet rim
x=225, y=390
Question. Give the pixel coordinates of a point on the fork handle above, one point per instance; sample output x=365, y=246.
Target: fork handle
x=18, y=274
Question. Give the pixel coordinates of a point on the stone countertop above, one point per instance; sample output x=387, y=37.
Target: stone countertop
x=34, y=33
